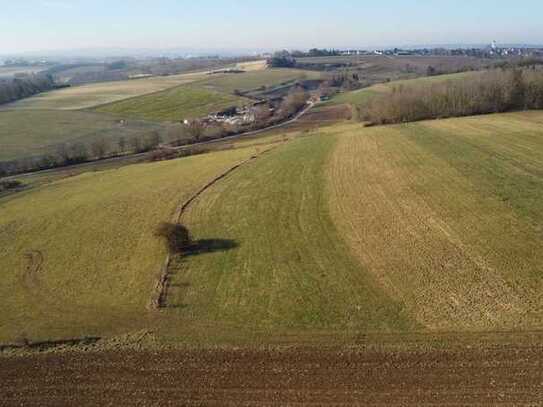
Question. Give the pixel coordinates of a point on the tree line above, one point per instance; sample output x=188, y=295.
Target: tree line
x=495, y=91
x=18, y=88
x=66, y=154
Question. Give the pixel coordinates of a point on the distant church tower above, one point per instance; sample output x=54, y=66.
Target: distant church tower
x=494, y=45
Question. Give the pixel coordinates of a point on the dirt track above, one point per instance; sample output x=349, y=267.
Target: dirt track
x=495, y=374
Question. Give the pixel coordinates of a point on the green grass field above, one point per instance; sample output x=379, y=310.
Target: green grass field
x=87, y=96
x=288, y=267
x=212, y=94
x=79, y=257
x=176, y=104
x=256, y=79
x=26, y=133
x=428, y=227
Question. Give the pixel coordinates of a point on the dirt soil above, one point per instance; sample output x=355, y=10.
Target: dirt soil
x=499, y=374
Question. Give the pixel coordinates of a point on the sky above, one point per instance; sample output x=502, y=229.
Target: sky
x=39, y=25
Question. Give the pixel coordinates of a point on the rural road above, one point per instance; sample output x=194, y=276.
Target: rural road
x=137, y=157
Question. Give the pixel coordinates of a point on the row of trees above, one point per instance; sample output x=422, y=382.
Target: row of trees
x=75, y=153
x=19, y=88
x=485, y=92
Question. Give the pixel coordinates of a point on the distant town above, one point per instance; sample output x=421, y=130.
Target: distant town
x=493, y=50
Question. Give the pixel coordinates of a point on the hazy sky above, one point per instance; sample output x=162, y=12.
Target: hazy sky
x=27, y=25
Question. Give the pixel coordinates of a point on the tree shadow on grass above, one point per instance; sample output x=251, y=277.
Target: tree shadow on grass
x=196, y=248
x=204, y=246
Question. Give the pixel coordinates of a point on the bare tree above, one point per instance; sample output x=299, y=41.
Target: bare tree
x=122, y=144
x=195, y=130
x=296, y=99
x=262, y=114
x=99, y=148
x=63, y=153
x=153, y=140
x=136, y=144
x=78, y=153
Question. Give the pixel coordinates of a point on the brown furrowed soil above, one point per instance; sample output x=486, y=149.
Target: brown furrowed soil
x=485, y=374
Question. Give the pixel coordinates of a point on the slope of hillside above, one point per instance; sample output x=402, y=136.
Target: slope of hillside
x=86, y=96
x=346, y=230
x=39, y=132
x=176, y=104
x=79, y=257
x=285, y=266
x=447, y=216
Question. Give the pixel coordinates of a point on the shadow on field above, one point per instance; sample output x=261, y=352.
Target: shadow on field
x=176, y=283
x=204, y=246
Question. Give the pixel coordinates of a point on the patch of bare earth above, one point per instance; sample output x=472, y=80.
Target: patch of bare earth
x=489, y=375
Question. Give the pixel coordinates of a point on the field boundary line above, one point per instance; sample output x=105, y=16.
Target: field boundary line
x=158, y=298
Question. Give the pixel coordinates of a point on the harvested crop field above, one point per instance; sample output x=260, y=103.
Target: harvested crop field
x=177, y=104
x=25, y=133
x=254, y=80
x=86, y=96
x=447, y=216
x=483, y=374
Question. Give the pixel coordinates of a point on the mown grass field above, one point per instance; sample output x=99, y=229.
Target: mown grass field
x=256, y=79
x=79, y=256
x=283, y=264
x=212, y=94
x=447, y=216
x=87, y=96
x=442, y=221
x=429, y=227
x=176, y=104
x=26, y=133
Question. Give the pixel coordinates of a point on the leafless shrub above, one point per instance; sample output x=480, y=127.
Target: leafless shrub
x=99, y=148
x=195, y=130
x=487, y=92
x=10, y=184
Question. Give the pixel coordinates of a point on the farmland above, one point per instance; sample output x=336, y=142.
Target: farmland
x=446, y=239
x=8, y=72
x=183, y=102
x=403, y=252
x=86, y=96
x=212, y=94
x=303, y=276
x=257, y=79
x=466, y=372
x=79, y=256
x=450, y=220
x=24, y=133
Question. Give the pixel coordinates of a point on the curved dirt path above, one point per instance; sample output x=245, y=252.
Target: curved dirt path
x=159, y=297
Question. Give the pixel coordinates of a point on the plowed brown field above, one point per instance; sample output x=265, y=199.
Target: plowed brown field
x=481, y=375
